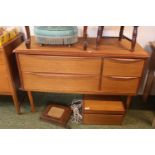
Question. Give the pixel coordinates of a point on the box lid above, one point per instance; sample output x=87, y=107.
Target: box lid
x=105, y=105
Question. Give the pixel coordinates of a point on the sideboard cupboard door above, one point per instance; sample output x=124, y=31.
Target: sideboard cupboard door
x=59, y=64
x=123, y=67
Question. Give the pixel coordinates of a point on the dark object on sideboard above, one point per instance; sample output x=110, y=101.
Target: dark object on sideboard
x=134, y=36
x=121, y=36
x=28, y=39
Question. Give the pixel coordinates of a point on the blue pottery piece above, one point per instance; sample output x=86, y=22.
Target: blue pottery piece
x=56, y=35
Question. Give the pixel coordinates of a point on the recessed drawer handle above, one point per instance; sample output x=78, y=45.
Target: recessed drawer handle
x=125, y=60
x=121, y=77
x=58, y=75
x=64, y=58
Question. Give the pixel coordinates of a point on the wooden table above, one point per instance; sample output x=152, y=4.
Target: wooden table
x=111, y=70
x=9, y=82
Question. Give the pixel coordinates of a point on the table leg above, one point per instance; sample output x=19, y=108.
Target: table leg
x=31, y=101
x=128, y=101
x=16, y=103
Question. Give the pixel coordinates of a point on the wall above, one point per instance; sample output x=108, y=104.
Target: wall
x=146, y=34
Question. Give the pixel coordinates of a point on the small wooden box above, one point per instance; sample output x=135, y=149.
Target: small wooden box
x=103, y=110
x=57, y=114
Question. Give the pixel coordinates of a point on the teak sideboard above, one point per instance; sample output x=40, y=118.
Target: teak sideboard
x=8, y=70
x=111, y=70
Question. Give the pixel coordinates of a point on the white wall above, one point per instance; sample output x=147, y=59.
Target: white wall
x=146, y=34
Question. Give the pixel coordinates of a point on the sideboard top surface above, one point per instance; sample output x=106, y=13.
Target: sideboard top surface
x=109, y=47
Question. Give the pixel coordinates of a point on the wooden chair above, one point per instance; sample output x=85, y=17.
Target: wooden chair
x=121, y=36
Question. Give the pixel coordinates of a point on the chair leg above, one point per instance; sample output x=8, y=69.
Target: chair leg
x=85, y=43
x=134, y=38
x=99, y=35
x=121, y=33
x=28, y=40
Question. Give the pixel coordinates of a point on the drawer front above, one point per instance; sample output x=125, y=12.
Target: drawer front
x=101, y=119
x=4, y=84
x=60, y=82
x=120, y=85
x=58, y=64
x=123, y=67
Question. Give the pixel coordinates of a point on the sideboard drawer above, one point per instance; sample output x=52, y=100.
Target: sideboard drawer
x=58, y=64
x=60, y=82
x=123, y=67
x=120, y=85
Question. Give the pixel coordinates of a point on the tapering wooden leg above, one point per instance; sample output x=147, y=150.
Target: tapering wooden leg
x=121, y=33
x=128, y=101
x=153, y=123
x=134, y=38
x=85, y=43
x=99, y=35
x=16, y=103
x=148, y=85
x=31, y=101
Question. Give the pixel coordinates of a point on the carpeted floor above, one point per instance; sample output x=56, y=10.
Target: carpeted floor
x=139, y=116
